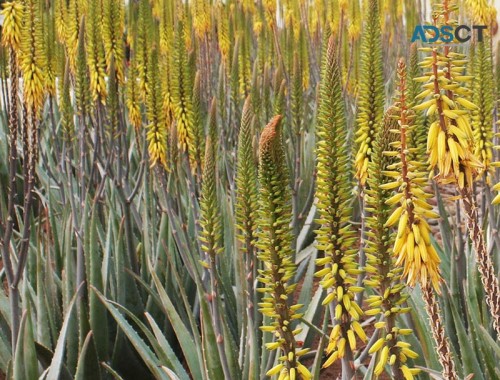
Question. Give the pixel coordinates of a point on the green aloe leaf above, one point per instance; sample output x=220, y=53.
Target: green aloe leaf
x=144, y=351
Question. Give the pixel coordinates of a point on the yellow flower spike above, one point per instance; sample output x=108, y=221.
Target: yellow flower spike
x=12, y=24
x=412, y=235
x=370, y=112
x=335, y=234
x=32, y=57
x=95, y=52
x=157, y=132
x=275, y=253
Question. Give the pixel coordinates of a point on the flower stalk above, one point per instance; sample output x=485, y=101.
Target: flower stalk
x=275, y=246
x=336, y=236
x=387, y=304
x=210, y=237
x=450, y=143
x=413, y=247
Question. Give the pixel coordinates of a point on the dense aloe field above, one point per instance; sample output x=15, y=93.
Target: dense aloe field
x=249, y=189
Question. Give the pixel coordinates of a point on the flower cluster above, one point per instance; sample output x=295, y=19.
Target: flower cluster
x=275, y=253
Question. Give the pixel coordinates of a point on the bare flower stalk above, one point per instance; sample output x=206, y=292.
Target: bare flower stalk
x=443, y=345
x=489, y=278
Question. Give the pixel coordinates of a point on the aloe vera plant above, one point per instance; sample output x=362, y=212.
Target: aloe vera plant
x=247, y=189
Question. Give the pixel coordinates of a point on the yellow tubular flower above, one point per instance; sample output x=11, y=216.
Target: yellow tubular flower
x=412, y=247
x=496, y=200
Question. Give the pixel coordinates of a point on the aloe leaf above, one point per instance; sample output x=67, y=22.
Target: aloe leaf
x=97, y=311
x=470, y=363
x=45, y=356
x=168, y=352
x=318, y=358
x=88, y=363
x=111, y=371
x=57, y=360
x=144, y=351
x=310, y=315
x=25, y=363
x=210, y=355
x=155, y=343
x=489, y=340
x=186, y=341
